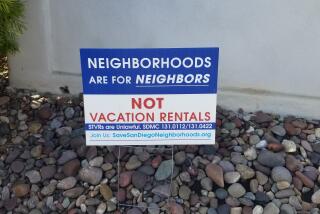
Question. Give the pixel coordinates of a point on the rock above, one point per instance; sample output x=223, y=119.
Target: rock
x=280, y=173
x=96, y=162
x=17, y=166
x=66, y=156
x=227, y=166
x=184, y=192
x=185, y=177
x=292, y=163
x=289, y=146
x=261, y=198
x=262, y=178
x=283, y=185
x=222, y=209
x=275, y=147
x=71, y=168
x=45, y=113
x=316, y=197
x=35, y=211
x=311, y=172
x=4, y=100
x=69, y=112
x=287, y=209
x=236, y=190
x=49, y=189
x=164, y=171
x=33, y=176
x=125, y=178
x=21, y=190
x=285, y=193
x=278, y=130
x=133, y=163
x=134, y=211
x=316, y=147
x=306, y=145
x=153, y=209
x=215, y=172
x=270, y=159
x=180, y=157
x=34, y=127
x=317, y=132
x=36, y=151
x=139, y=179
x=262, y=144
x=254, y=139
x=101, y=208
x=236, y=210
x=92, y=175
x=162, y=190
x=261, y=117
x=212, y=211
x=155, y=163
x=305, y=180
x=221, y=193
x=250, y=154
x=231, y=177
x=73, y=193
x=245, y=171
x=271, y=208
x=10, y=203
x=106, y=191
x=12, y=155
x=257, y=209
x=206, y=183
x=47, y=172
x=67, y=183
x=294, y=201
x=175, y=208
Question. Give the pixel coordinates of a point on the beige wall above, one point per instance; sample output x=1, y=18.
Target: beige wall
x=269, y=49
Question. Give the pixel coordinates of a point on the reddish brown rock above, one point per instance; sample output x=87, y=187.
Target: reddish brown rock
x=121, y=195
x=305, y=180
x=71, y=168
x=291, y=129
x=297, y=183
x=275, y=147
x=300, y=123
x=175, y=208
x=247, y=210
x=45, y=113
x=218, y=123
x=292, y=163
x=4, y=100
x=125, y=178
x=156, y=161
x=262, y=117
x=21, y=190
x=215, y=172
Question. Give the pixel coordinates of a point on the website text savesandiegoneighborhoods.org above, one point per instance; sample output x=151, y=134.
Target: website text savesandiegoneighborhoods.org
x=162, y=135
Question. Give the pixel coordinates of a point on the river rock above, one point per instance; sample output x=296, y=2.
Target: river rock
x=236, y=190
x=271, y=159
x=164, y=171
x=215, y=172
x=280, y=173
x=92, y=175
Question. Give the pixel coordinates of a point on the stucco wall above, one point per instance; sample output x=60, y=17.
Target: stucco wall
x=269, y=50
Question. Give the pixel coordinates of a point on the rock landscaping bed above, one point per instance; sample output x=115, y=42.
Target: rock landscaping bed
x=261, y=163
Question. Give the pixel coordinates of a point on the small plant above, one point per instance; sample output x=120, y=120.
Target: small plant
x=11, y=25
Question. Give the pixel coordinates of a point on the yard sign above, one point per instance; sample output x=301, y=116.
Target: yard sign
x=160, y=96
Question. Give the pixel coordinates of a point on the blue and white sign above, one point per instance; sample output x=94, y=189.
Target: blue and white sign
x=160, y=96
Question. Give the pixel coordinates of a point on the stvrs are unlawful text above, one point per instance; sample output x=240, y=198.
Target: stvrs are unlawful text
x=198, y=66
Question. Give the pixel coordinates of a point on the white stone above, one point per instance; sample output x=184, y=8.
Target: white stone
x=289, y=146
x=257, y=210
